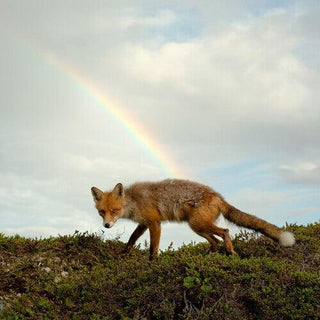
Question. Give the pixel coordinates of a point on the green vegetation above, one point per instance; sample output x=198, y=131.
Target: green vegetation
x=83, y=277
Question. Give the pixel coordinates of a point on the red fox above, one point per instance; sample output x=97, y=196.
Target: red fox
x=149, y=203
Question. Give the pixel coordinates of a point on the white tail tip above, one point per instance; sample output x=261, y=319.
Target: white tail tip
x=286, y=239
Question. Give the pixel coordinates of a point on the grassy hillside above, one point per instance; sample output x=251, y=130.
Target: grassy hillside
x=83, y=277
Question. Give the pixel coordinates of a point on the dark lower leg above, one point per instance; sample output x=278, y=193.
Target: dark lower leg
x=224, y=234
x=212, y=241
x=203, y=230
x=137, y=233
x=207, y=230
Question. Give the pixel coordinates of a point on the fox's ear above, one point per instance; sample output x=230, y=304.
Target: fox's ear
x=97, y=194
x=118, y=191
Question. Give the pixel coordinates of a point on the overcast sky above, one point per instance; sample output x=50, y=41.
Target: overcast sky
x=228, y=92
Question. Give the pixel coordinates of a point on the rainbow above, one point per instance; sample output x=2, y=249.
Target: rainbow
x=131, y=125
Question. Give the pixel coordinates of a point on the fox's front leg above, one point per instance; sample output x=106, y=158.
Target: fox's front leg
x=155, y=231
x=137, y=233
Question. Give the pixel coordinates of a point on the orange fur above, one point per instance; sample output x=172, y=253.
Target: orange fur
x=149, y=203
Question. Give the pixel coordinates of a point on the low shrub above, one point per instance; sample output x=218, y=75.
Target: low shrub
x=84, y=277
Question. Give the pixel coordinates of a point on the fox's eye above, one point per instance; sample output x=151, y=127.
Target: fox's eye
x=114, y=210
x=102, y=212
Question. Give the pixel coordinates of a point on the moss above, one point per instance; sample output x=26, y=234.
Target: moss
x=84, y=277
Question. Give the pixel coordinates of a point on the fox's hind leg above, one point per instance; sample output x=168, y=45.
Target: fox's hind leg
x=201, y=223
x=224, y=234
x=204, y=232
x=211, y=239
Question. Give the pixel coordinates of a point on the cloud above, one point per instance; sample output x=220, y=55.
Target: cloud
x=244, y=86
x=161, y=18
x=218, y=85
x=302, y=172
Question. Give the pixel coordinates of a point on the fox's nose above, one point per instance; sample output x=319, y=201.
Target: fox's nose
x=107, y=225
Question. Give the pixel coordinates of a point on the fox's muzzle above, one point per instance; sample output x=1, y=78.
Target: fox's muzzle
x=108, y=224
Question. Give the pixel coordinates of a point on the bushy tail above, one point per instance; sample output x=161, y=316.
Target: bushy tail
x=246, y=220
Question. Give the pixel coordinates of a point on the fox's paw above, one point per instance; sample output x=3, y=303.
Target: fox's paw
x=125, y=251
x=212, y=249
x=232, y=253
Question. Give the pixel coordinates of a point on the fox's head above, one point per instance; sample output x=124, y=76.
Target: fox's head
x=109, y=204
